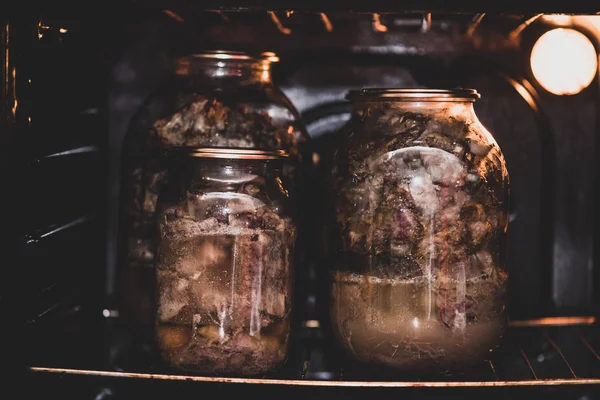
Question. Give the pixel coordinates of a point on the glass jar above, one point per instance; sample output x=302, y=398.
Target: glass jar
x=214, y=99
x=224, y=264
x=422, y=208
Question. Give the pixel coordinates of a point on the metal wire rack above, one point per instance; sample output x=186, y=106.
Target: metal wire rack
x=561, y=351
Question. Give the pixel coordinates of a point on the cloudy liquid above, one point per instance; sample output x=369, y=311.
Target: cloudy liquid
x=415, y=324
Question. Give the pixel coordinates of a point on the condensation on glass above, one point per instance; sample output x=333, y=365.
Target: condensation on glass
x=224, y=269
x=422, y=212
x=219, y=99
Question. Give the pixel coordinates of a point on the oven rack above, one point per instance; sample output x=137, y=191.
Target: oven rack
x=548, y=352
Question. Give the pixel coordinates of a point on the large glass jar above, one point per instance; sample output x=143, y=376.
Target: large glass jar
x=224, y=264
x=422, y=208
x=214, y=99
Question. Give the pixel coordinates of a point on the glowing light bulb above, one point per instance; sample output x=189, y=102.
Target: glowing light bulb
x=564, y=61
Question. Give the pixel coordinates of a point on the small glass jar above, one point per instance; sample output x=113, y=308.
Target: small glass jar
x=224, y=264
x=218, y=99
x=422, y=210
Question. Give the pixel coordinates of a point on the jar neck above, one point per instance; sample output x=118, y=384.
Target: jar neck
x=213, y=174
x=247, y=71
x=459, y=109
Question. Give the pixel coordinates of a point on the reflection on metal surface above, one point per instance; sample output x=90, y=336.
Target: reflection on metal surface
x=476, y=21
x=557, y=19
x=42, y=29
x=326, y=22
x=554, y=321
x=223, y=16
x=299, y=382
x=41, y=314
x=14, y=87
x=176, y=17
x=560, y=353
x=65, y=306
x=523, y=92
x=426, y=23
x=183, y=62
x=589, y=346
x=517, y=31
x=8, y=77
x=236, y=153
x=44, y=233
x=70, y=152
x=377, y=25
x=415, y=94
x=528, y=362
x=493, y=370
x=6, y=68
x=278, y=24
x=106, y=313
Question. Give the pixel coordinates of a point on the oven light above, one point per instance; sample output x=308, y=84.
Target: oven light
x=564, y=61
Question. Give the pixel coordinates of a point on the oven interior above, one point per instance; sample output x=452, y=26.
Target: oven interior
x=73, y=81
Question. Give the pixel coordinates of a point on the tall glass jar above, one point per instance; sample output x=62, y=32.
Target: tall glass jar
x=224, y=264
x=422, y=208
x=215, y=99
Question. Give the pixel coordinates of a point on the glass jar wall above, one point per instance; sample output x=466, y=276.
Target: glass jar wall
x=218, y=99
x=224, y=264
x=420, y=277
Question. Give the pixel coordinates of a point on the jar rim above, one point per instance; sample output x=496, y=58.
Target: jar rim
x=234, y=153
x=231, y=55
x=412, y=94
